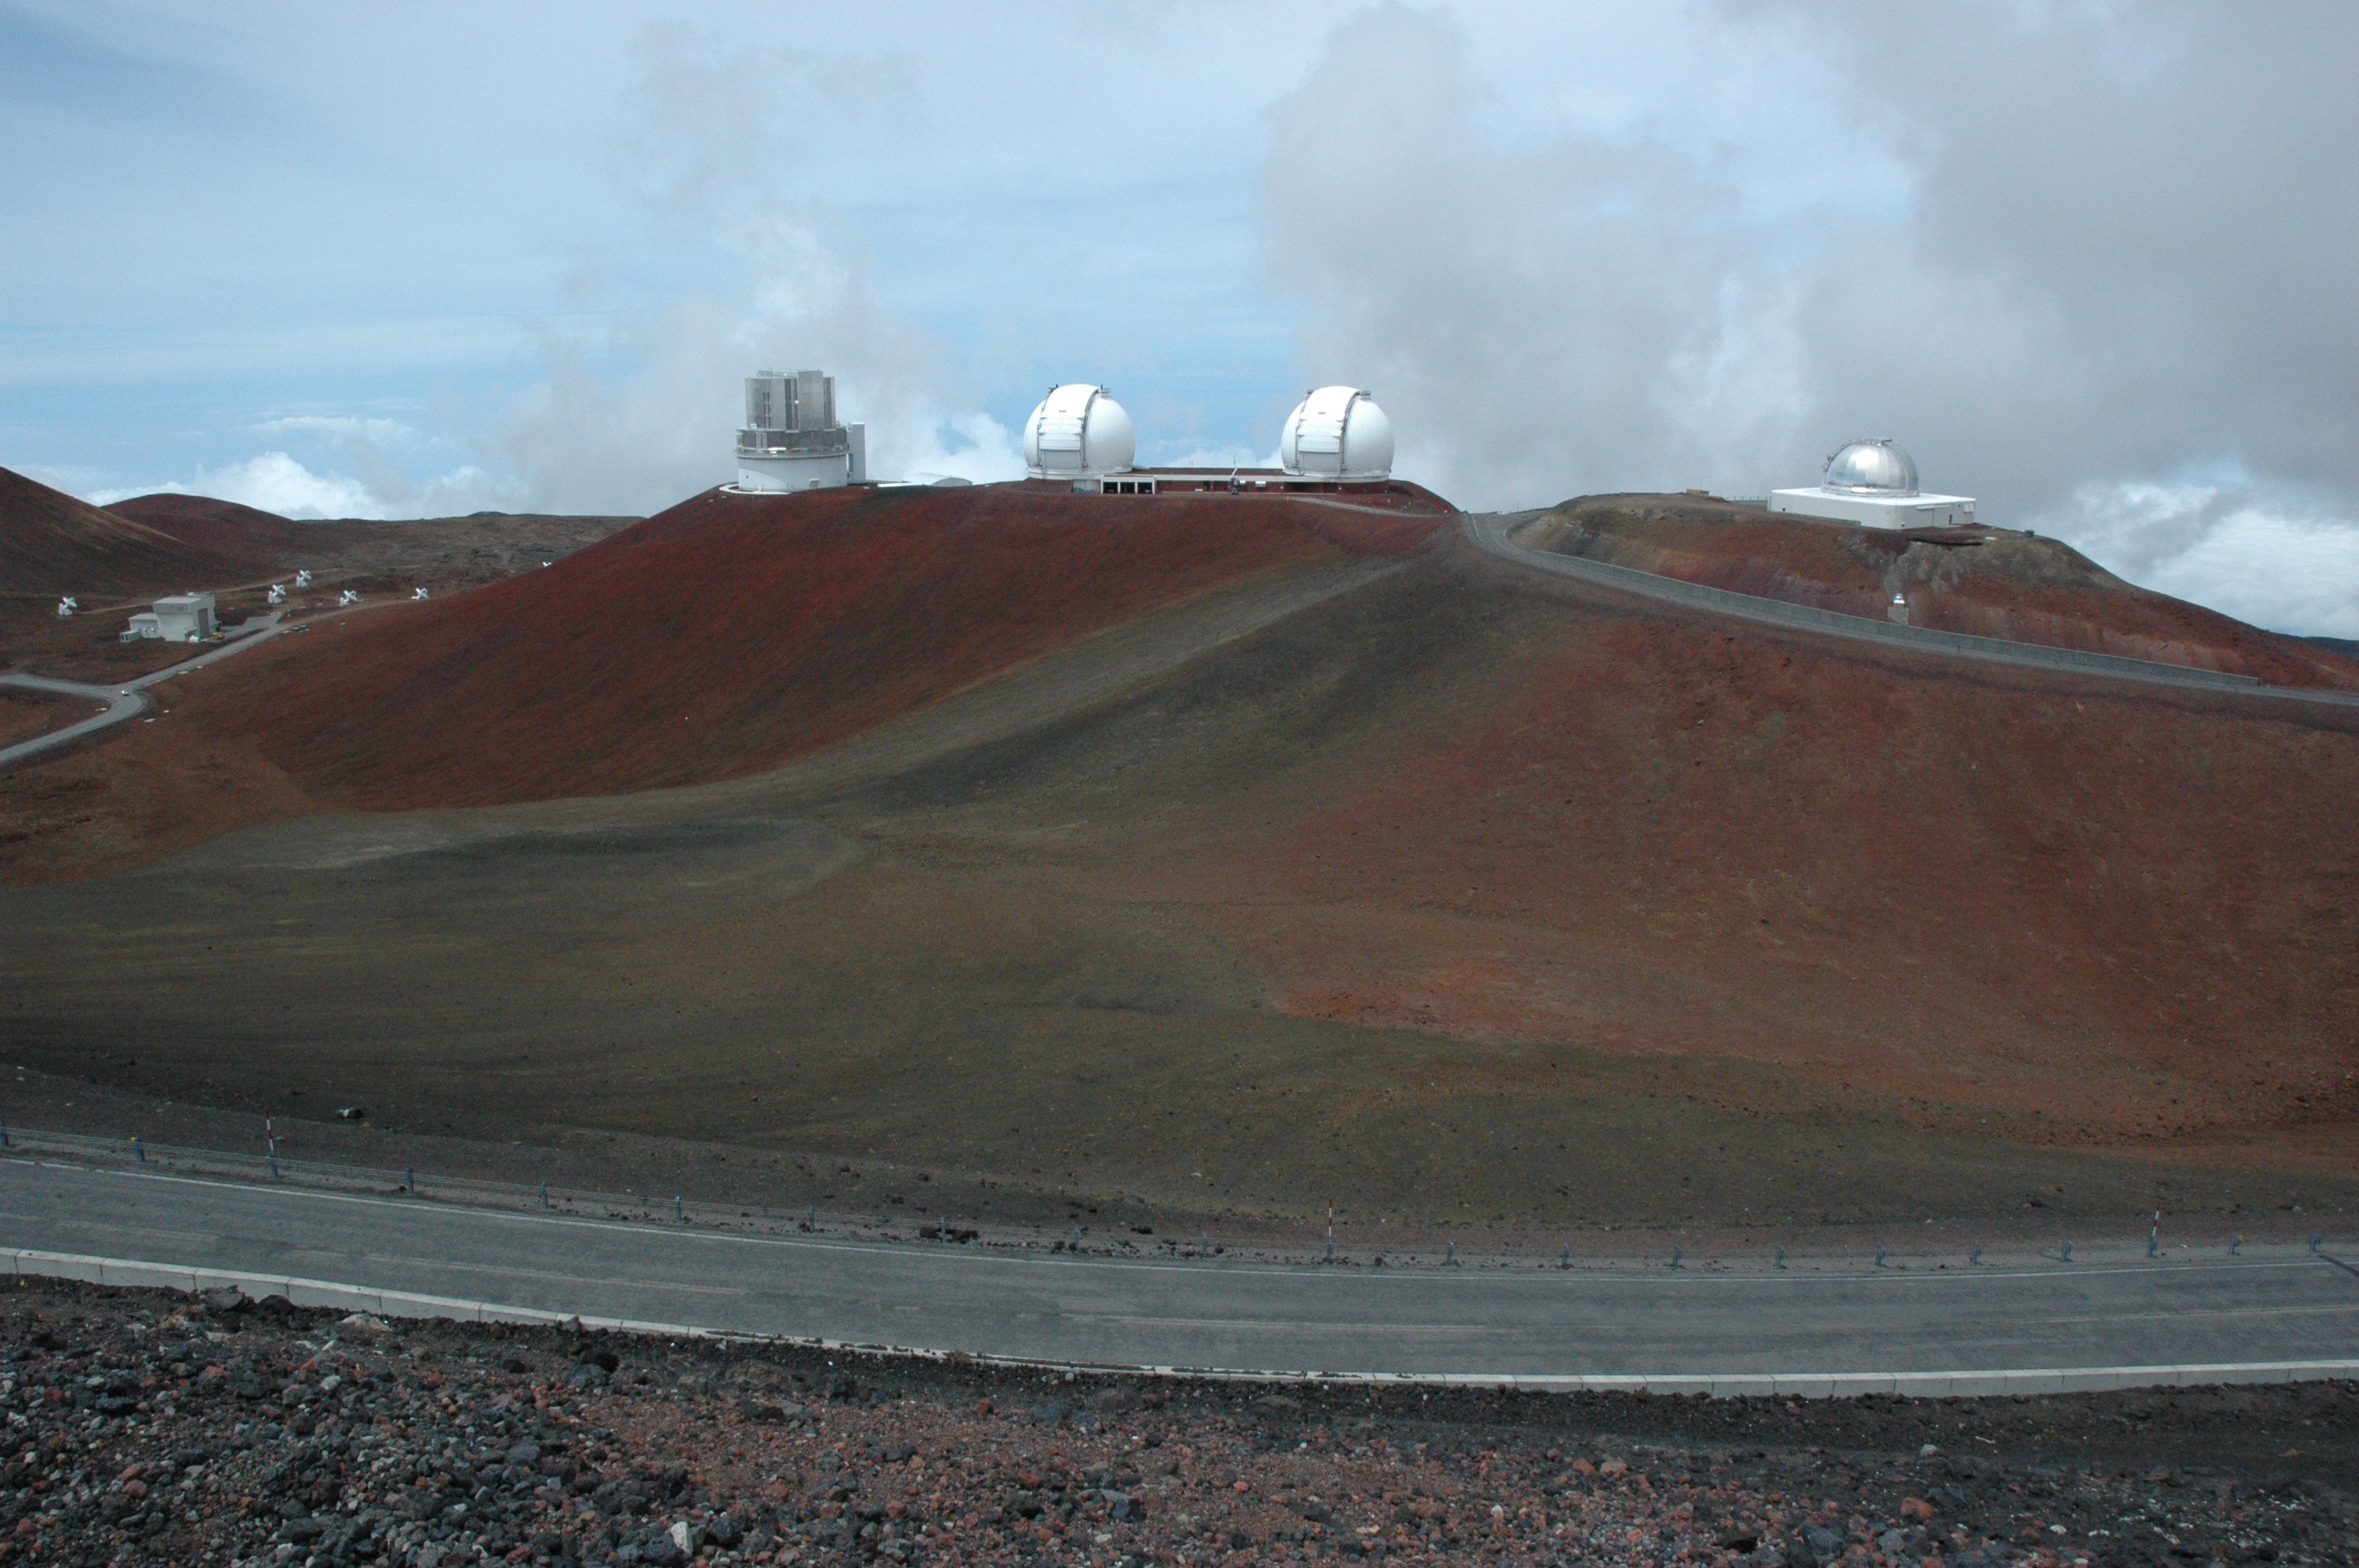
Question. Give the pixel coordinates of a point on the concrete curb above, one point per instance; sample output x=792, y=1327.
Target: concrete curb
x=124, y=1272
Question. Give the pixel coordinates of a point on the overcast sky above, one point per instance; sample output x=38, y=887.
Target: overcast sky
x=2092, y=264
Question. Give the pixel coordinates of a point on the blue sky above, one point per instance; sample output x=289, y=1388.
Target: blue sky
x=2089, y=262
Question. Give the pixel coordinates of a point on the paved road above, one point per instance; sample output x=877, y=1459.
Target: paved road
x=1540, y=1327
x=129, y=698
x=120, y=703
x=1491, y=532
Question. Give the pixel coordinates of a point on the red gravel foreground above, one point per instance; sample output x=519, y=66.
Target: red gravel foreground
x=144, y=1427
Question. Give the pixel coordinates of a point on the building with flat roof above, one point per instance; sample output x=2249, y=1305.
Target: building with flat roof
x=177, y=617
x=1874, y=484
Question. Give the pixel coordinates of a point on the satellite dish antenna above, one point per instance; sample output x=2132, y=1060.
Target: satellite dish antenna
x=350, y=598
x=302, y=579
x=68, y=605
x=418, y=595
x=277, y=593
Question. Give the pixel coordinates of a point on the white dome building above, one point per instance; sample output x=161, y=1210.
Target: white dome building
x=1337, y=433
x=1874, y=483
x=1078, y=432
x=1872, y=468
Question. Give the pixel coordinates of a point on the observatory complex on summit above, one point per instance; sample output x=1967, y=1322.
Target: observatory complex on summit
x=1336, y=439
x=1874, y=483
x=1080, y=440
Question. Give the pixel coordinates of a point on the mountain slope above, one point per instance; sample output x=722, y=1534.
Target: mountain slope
x=732, y=632
x=227, y=527
x=1467, y=894
x=51, y=543
x=1988, y=582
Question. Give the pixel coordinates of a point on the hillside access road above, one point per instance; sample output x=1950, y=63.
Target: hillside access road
x=130, y=698
x=2276, y=1316
x=1494, y=533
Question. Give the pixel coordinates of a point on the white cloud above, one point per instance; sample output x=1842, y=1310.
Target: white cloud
x=2214, y=540
x=2287, y=573
x=1232, y=457
x=344, y=427
x=2057, y=271
x=276, y=481
x=641, y=412
x=273, y=481
x=977, y=447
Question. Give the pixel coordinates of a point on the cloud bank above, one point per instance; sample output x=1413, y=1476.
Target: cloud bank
x=2117, y=264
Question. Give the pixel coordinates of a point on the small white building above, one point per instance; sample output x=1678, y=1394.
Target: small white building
x=179, y=618
x=791, y=439
x=1874, y=484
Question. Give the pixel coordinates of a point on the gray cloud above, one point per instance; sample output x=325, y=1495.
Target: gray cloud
x=722, y=135
x=2119, y=276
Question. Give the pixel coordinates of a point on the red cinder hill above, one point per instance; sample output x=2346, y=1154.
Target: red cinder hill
x=52, y=544
x=732, y=633
x=224, y=526
x=1989, y=582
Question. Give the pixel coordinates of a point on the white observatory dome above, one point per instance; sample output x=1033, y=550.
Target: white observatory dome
x=1872, y=468
x=1337, y=432
x=1078, y=432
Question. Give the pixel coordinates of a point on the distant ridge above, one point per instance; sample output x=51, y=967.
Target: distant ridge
x=1981, y=582
x=758, y=628
x=223, y=527
x=51, y=543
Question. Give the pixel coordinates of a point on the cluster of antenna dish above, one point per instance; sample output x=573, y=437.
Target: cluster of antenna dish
x=1079, y=431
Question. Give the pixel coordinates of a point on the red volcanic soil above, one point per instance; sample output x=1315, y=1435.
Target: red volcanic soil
x=52, y=544
x=224, y=526
x=2078, y=908
x=1988, y=582
x=732, y=633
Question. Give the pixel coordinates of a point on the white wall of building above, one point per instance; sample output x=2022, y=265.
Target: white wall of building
x=1917, y=511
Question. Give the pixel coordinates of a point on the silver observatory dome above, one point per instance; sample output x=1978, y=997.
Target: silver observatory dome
x=1872, y=468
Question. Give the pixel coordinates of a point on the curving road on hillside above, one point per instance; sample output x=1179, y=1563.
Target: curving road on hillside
x=129, y=698
x=117, y=704
x=2274, y=1316
x=1492, y=533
